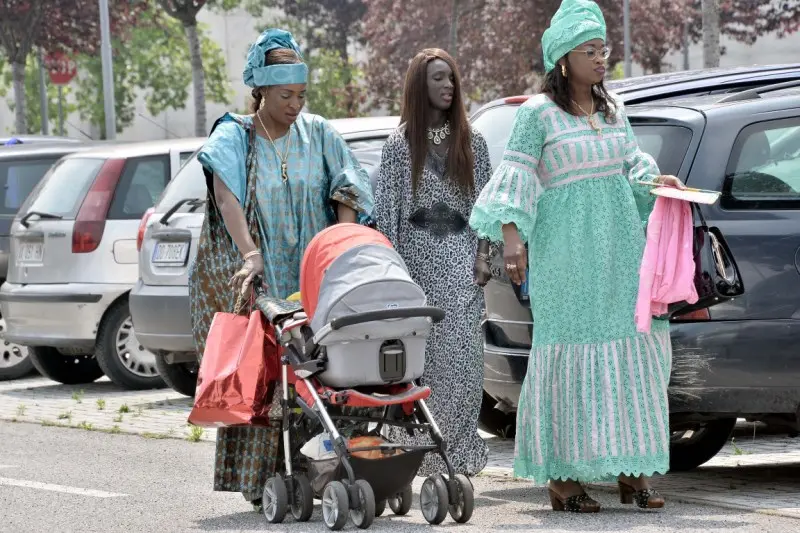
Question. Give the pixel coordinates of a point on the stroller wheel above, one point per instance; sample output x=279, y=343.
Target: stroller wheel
x=433, y=499
x=302, y=504
x=461, y=511
x=401, y=503
x=380, y=508
x=364, y=514
x=335, y=505
x=275, y=501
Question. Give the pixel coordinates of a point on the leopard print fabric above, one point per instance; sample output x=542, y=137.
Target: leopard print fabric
x=440, y=254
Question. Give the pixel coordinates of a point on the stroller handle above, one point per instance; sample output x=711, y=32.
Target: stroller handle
x=434, y=313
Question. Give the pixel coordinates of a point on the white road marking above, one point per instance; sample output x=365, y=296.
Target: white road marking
x=58, y=488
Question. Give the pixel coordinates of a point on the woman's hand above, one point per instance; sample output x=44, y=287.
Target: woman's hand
x=515, y=256
x=253, y=266
x=482, y=272
x=670, y=181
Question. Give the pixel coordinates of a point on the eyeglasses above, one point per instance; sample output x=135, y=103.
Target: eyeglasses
x=591, y=53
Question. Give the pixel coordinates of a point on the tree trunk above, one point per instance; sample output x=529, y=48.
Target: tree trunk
x=454, y=28
x=711, y=50
x=198, y=78
x=20, y=122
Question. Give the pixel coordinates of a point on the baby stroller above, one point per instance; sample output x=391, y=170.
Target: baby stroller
x=357, y=341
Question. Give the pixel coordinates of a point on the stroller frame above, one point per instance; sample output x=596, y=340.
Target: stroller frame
x=363, y=503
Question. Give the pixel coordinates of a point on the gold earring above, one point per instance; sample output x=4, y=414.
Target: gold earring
x=564, y=71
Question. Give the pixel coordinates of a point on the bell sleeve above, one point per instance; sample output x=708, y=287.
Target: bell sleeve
x=348, y=182
x=638, y=166
x=224, y=154
x=388, y=201
x=511, y=194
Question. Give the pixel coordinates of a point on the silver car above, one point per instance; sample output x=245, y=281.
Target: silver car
x=169, y=233
x=73, y=262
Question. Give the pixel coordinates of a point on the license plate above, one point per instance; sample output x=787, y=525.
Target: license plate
x=173, y=253
x=30, y=252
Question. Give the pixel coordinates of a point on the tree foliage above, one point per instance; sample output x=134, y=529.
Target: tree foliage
x=154, y=61
x=33, y=114
x=66, y=25
x=336, y=88
x=498, y=42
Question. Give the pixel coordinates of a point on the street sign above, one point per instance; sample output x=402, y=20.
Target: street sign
x=62, y=68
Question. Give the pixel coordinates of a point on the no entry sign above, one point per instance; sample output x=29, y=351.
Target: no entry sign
x=62, y=68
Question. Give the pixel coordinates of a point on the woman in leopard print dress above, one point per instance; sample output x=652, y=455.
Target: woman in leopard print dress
x=432, y=168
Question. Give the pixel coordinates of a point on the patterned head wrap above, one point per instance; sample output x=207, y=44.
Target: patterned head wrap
x=257, y=74
x=575, y=22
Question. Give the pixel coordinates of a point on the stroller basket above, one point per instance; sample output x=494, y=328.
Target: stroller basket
x=387, y=476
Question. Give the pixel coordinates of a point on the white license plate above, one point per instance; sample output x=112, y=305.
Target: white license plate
x=30, y=252
x=174, y=253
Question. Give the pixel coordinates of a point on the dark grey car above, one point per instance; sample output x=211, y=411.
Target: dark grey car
x=738, y=359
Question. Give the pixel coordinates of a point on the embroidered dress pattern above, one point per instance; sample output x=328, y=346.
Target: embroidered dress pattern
x=594, y=400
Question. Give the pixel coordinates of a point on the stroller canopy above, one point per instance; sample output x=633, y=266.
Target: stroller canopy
x=350, y=268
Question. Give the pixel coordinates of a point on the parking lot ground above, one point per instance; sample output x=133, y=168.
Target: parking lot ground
x=755, y=473
x=71, y=481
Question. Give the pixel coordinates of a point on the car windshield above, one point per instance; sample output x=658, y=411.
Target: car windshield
x=666, y=143
x=62, y=190
x=17, y=180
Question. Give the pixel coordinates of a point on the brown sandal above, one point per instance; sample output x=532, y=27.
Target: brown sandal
x=645, y=499
x=580, y=503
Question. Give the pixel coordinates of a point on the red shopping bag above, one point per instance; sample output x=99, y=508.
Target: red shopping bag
x=239, y=363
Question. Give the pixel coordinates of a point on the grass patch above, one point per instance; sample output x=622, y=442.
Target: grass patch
x=117, y=419
x=101, y=404
x=66, y=415
x=124, y=408
x=195, y=433
x=148, y=435
x=21, y=409
x=737, y=450
x=78, y=395
x=85, y=425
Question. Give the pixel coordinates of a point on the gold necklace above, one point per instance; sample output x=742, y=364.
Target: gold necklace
x=283, y=159
x=592, y=120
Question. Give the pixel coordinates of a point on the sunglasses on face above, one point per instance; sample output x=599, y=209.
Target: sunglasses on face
x=592, y=53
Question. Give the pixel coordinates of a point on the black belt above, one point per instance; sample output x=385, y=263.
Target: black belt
x=439, y=219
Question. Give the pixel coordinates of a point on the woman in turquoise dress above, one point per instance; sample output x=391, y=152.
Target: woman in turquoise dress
x=275, y=179
x=593, y=404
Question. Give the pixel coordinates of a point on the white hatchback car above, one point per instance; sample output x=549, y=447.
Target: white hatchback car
x=74, y=261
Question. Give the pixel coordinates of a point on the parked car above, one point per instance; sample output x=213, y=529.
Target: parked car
x=737, y=359
x=167, y=242
x=73, y=262
x=21, y=169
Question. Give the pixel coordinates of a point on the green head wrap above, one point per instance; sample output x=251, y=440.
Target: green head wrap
x=575, y=22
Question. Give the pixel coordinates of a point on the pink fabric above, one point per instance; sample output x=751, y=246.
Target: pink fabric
x=667, y=272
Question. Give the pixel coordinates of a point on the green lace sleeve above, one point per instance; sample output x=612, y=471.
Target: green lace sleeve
x=638, y=166
x=511, y=194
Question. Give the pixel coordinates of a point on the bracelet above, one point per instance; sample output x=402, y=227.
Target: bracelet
x=248, y=255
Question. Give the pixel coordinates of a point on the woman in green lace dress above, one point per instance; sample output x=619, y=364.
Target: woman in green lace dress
x=594, y=401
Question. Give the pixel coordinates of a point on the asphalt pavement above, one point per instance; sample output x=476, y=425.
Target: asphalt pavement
x=62, y=480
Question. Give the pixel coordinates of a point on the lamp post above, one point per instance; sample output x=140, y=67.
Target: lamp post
x=108, y=75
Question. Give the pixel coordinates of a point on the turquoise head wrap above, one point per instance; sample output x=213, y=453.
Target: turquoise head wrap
x=575, y=22
x=258, y=74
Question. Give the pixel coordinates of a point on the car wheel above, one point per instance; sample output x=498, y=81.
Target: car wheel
x=14, y=360
x=691, y=448
x=182, y=377
x=66, y=369
x=496, y=422
x=126, y=362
